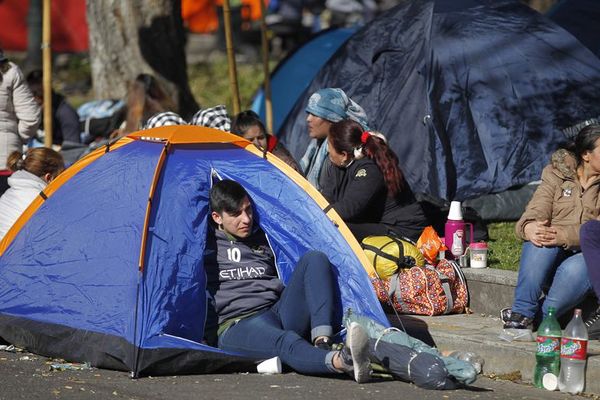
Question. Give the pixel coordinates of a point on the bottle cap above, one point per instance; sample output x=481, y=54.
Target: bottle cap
x=478, y=246
x=455, y=212
x=550, y=381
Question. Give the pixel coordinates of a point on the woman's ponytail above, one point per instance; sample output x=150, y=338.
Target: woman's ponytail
x=376, y=149
x=348, y=136
x=16, y=161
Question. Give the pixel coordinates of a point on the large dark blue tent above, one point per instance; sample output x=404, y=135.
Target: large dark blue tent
x=581, y=18
x=472, y=94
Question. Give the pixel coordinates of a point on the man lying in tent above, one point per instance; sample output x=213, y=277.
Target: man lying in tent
x=259, y=317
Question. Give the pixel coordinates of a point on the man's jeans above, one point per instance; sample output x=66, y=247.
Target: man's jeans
x=304, y=312
x=563, y=271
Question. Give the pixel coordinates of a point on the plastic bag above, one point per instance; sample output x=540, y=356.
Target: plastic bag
x=430, y=245
x=431, y=370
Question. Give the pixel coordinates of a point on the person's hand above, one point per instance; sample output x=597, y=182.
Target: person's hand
x=551, y=239
x=540, y=233
x=117, y=133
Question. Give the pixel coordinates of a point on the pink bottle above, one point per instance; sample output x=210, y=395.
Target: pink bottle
x=454, y=232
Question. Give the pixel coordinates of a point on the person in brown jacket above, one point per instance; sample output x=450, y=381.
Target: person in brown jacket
x=568, y=196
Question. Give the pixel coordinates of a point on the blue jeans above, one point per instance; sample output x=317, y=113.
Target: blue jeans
x=304, y=311
x=562, y=270
x=589, y=236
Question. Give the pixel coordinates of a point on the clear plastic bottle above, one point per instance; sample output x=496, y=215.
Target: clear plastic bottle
x=475, y=359
x=547, y=356
x=573, y=355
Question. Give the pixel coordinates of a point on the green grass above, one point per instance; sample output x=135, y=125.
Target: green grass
x=504, y=247
x=210, y=83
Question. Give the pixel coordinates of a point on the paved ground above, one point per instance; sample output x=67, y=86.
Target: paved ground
x=27, y=376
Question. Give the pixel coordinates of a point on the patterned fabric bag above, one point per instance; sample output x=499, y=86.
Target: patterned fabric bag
x=428, y=290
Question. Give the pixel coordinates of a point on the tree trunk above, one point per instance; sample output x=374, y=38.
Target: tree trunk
x=138, y=36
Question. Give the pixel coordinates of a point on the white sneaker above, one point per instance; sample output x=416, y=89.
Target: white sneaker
x=505, y=314
x=357, y=343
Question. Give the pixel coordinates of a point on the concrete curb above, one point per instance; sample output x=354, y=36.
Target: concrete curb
x=490, y=290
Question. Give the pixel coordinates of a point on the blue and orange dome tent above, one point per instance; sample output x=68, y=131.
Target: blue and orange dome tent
x=106, y=265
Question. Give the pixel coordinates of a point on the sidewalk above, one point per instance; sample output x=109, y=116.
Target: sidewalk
x=478, y=332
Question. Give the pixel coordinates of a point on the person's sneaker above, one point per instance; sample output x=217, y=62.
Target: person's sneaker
x=505, y=314
x=518, y=321
x=593, y=325
x=517, y=327
x=355, y=354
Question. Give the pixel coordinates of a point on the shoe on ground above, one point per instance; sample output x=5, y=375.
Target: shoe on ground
x=518, y=321
x=593, y=325
x=355, y=354
x=505, y=314
x=517, y=327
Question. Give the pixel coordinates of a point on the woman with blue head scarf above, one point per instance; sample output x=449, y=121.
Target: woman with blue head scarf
x=325, y=107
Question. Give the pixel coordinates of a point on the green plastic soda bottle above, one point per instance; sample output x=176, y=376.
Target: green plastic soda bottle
x=547, y=356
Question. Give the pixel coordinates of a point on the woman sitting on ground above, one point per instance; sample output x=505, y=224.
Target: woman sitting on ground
x=32, y=173
x=248, y=125
x=366, y=187
x=568, y=196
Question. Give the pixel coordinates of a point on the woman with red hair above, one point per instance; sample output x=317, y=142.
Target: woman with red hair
x=365, y=185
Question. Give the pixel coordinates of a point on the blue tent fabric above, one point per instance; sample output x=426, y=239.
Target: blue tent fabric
x=579, y=18
x=296, y=71
x=472, y=95
x=41, y=271
x=71, y=284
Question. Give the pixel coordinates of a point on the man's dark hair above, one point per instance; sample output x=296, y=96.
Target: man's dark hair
x=227, y=195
